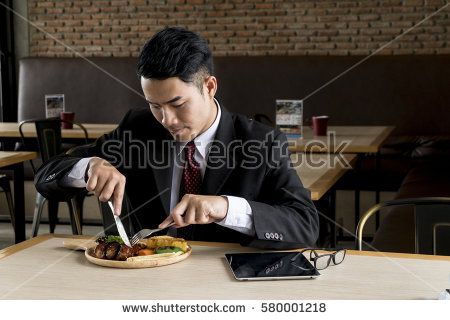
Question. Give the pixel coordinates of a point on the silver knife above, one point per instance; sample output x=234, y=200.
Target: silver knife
x=119, y=225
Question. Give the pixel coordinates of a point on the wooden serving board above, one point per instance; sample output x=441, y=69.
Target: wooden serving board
x=88, y=247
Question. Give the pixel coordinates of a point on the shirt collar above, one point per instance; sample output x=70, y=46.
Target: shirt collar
x=203, y=141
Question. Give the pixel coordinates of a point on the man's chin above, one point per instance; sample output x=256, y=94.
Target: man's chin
x=183, y=136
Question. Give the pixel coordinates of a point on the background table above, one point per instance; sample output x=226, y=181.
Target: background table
x=11, y=130
x=361, y=139
x=14, y=161
x=42, y=269
x=320, y=180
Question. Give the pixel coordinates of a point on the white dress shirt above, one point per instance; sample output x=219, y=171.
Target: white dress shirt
x=239, y=214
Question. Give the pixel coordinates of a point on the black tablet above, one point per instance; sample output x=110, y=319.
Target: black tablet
x=270, y=266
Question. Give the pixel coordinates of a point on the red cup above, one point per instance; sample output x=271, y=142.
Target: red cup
x=319, y=125
x=67, y=116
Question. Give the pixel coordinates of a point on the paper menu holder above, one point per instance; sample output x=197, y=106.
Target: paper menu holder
x=54, y=105
x=289, y=117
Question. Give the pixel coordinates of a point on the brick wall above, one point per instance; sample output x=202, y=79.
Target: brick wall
x=241, y=27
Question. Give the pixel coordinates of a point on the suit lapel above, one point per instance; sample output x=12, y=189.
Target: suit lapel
x=224, y=149
x=163, y=170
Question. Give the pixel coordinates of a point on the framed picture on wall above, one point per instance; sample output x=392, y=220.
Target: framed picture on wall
x=54, y=105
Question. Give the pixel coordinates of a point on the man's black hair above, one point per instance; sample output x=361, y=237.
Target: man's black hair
x=176, y=52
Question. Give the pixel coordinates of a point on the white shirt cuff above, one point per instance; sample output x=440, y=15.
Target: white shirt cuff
x=75, y=178
x=239, y=216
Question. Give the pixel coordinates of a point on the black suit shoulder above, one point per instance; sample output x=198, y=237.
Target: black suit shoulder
x=142, y=122
x=247, y=129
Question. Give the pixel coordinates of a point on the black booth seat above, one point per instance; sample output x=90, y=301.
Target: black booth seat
x=396, y=231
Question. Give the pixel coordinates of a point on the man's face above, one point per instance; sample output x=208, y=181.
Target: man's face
x=180, y=107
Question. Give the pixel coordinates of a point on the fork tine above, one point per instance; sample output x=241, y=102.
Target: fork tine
x=145, y=233
x=138, y=235
x=136, y=238
x=133, y=240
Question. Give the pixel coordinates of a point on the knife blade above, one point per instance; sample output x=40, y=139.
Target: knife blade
x=119, y=225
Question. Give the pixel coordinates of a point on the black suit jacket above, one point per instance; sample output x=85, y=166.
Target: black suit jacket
x=257, y=168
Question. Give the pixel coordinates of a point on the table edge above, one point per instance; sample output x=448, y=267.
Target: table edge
x=17, y=157
x=95, y=130
x=336, y=178
x=383, y=136
x=374, y=147
x=41, y=238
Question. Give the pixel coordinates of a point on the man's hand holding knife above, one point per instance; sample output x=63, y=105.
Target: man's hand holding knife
x=108, y=183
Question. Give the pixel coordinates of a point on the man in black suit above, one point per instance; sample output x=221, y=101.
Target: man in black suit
x=218, y=176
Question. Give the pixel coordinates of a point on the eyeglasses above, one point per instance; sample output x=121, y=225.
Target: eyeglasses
x=322, y=261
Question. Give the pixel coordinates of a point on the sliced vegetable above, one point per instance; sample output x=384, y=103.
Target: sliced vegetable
x=145, y=252
x=169, y=249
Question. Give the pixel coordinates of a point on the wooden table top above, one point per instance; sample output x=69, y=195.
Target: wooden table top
x=319, y=172
x=41, y=268
x=95, y=130
x=8, y=158
x=361, y=139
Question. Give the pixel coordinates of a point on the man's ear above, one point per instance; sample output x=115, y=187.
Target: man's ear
x=211, y=86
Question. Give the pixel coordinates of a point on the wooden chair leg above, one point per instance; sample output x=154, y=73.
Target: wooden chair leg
x=52, y=214
x=38, y=208
x=74, y=217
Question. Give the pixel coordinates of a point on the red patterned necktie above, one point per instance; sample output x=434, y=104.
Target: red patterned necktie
x=191, y=182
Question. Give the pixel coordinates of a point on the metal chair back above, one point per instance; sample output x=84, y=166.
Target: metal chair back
x=432, y=225
x=432, y=222
x=49, y=136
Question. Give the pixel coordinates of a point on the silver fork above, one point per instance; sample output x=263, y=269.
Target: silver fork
x=145, y=233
